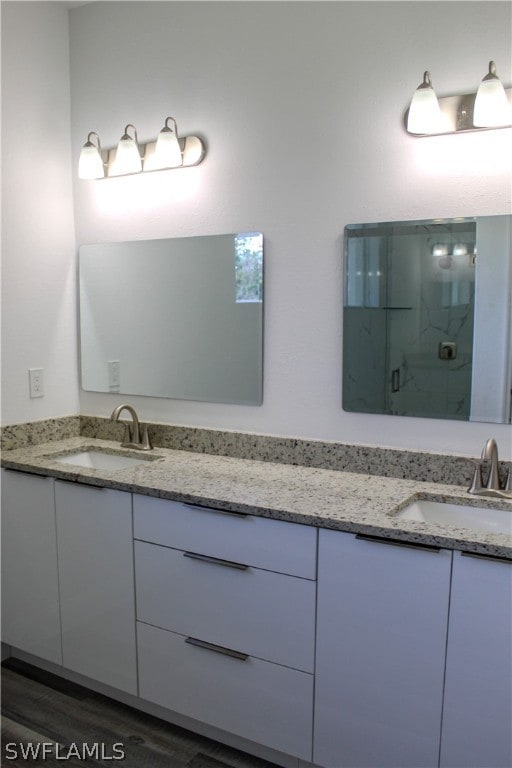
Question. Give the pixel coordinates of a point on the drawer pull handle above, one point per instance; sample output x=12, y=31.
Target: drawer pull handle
x=217, y=648
x=216, y=561
x=494, y=558
x=204, y=508
x=397, y=542
x=82, y=485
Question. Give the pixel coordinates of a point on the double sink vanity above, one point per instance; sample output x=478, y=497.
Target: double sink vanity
x=305, y=615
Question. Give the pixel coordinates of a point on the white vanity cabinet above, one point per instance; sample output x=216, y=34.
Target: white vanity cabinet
x=223, y=618
x=30, y=587
x=477, y=721
x=95, y=557
x=226, y=620
x=381, y=638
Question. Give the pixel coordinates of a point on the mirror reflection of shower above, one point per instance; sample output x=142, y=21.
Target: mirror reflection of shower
x=418, y=306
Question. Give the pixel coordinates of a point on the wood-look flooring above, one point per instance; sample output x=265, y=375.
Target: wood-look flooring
x=38, y=707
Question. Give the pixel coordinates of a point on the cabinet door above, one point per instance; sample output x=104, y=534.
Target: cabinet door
x=477, y=719
x=30, y=587
x=94, y=534
x=381, y=638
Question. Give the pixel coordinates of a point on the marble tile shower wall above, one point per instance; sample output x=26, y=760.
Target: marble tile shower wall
x=377, y=341
x=384, y=462
x=364, y=360
x=446, y=314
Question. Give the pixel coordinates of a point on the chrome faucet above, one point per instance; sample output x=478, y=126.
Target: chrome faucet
x=132, y=435
x=492, y=486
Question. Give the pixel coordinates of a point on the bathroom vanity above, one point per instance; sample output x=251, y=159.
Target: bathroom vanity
x=282, y=609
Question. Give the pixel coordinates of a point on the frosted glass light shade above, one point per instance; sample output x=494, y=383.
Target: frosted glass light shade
x=425, y=114
x=492, y=109
x=90, y=164
x=439, y=250
x=460, y=249
x=167, y=150
x=127, y=158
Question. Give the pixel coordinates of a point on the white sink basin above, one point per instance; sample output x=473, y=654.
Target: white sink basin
x=99, y=460
x=459, y=516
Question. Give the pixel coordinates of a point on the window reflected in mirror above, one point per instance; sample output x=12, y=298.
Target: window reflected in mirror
x=178, y=318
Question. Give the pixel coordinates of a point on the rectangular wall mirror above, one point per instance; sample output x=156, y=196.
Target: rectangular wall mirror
x=179, y=318
x=427, y=318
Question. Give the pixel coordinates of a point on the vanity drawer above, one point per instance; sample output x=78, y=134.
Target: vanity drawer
x=267, y=614
x=271, y=544
x=253, y=699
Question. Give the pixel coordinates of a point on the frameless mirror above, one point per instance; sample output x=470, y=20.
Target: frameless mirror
x=179, y=318
x=427, y=318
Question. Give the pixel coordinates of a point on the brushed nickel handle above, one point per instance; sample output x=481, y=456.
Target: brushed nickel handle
x=82, y=485
x=204, y=508
x=494, y=558
x=216, y=561
x=217, y=648
x=397, y=542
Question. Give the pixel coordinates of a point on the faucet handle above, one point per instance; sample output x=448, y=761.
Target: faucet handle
x=508, y=481
x=127, y=434
x=477, y=482
x=146, y=443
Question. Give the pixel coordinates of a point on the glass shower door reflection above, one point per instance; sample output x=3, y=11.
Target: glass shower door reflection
x=408, y=319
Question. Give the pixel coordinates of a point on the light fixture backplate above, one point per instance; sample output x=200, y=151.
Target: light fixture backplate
x=458, y=111
x=192, y=148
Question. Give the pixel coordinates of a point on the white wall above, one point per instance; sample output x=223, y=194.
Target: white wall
x=300, y=104
x=38, y=242
x=301, y=107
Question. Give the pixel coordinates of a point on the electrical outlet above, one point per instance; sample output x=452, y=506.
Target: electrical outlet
x=36, y=382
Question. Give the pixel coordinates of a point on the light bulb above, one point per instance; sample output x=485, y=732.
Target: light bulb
x=90, y=164
x=167, y=152
x=425, y=116
x=492, y=109
x=127, y=159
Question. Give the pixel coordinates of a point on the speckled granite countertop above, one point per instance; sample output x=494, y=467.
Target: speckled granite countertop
x=320, y=497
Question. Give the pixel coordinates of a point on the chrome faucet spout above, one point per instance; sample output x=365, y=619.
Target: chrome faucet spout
x=132, y=437
x=492, y=486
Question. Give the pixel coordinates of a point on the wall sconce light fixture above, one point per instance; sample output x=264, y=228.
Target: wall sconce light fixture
x=490, y=107
x=168, y=151
x=425, y=116
x=127, y=158
x=90, y=165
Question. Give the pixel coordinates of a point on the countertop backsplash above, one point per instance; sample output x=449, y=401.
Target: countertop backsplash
x=36, y=432
x=359, y=459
